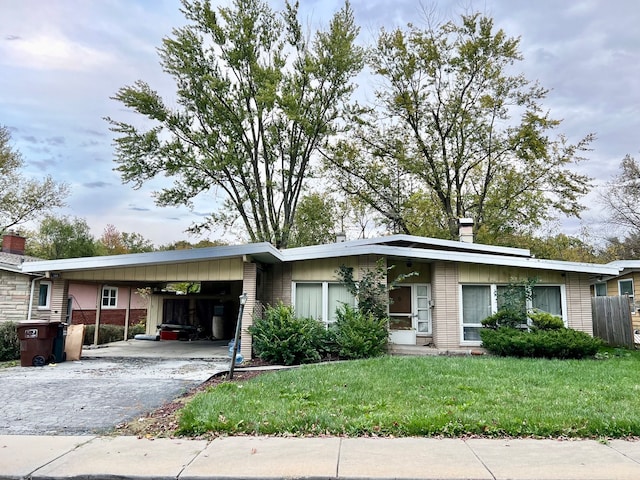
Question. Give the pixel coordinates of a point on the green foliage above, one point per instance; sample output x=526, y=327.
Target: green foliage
x=257, y=97
x=545, y=321
x=9, y=342
x=62, y=237
x=457, y=132
x=563, y=343
x=359, y=335
x=504, y=318
x=372, y=290
x=282, y=338
x=111, y=333
x=24, y=199
x=315, y=221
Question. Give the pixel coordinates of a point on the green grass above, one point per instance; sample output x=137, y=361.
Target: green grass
x=9, y=363
x=429, y=396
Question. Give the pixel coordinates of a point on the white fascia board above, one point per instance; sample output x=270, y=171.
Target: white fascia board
x=452, y=244
x=7, y=267
x=463, y=257
x=153, y=258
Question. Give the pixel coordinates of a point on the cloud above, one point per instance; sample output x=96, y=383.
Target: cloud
x=139, y=209
x=96, y=184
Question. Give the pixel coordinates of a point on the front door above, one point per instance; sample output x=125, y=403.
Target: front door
x=410, y=308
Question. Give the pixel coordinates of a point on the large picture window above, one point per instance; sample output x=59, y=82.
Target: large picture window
x=480, y=301
x=320, y=300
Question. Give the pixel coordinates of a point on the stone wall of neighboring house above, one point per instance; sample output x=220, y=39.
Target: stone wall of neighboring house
x=15, y=289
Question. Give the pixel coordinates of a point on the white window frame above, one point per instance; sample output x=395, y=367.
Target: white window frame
x=47, y=305
x=632, y=302
x=325, y=298
x=595, y=289
x=494, y=306
x=109, y=297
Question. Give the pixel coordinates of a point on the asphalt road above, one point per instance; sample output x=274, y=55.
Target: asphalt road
x=92, y=395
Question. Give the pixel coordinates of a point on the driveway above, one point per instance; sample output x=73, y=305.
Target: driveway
x=103, y=389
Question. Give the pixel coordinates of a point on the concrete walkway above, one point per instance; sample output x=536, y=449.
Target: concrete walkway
x=42, y=457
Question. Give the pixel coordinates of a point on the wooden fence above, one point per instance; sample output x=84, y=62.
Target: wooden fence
x=612, y=320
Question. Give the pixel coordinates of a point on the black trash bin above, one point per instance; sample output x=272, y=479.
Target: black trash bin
x=37, y=342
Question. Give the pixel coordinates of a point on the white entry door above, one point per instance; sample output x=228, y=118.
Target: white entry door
x=410, y=308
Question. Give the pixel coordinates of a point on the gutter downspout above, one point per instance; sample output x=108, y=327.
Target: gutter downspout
x=33, y=286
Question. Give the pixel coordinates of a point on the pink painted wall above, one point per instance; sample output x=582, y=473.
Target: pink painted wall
x=85, y=296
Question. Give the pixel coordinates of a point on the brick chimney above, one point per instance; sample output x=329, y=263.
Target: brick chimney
x=465, y=230
x=13, y=243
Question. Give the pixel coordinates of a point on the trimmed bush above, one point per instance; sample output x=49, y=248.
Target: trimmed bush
x=561, y=343
x=9, y=342
x=545, y=321
x=281, y=337
x=111, y=333
x=359, y=335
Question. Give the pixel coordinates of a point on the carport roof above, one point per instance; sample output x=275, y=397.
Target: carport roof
x=263, y=252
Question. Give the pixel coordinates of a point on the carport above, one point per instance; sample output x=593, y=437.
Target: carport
x=203, y=306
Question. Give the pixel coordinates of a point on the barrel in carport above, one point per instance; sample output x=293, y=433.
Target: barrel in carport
x=37, y=342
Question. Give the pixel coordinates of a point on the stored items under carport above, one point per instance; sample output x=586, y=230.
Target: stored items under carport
x=40, y=342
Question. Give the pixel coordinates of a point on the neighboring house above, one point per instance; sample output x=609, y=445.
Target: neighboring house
x=17, y=287
x=115, y=304
x=625, y=282
x=442, y=306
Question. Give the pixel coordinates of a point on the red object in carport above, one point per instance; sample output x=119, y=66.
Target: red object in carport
x=169, y=335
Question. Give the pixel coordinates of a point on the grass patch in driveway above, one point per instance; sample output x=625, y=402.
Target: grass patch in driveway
x=429, y=396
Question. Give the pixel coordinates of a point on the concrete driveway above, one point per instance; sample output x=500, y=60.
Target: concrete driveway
x=108, y=386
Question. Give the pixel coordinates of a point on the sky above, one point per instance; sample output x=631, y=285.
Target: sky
x=61, y=61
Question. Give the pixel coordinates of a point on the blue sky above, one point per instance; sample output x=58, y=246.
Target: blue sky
x=62, y=60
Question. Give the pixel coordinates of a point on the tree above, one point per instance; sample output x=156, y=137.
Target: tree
x=114, y=242
x=315, y=222
x=255, y=101
x=622, y=196
x=23, y=199
x=455, y=134
x=62, y=237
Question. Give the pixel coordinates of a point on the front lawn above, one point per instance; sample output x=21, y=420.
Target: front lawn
x=418, y=396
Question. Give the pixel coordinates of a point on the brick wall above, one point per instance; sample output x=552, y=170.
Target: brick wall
x=108, y=316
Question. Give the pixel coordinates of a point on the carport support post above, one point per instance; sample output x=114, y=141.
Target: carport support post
x=243, y=300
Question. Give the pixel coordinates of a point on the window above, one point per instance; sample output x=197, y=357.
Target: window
x=44, y=296
x=476, y=306
x=109, y=297
x=601, y=289
x=480, y=301
x=320, y=300
x=625, y=287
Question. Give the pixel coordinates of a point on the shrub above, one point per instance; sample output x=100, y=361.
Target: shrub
x=545, y=321
x=111, y=333
x=359, y=335
x=9, y=342
x=505, y=318
x=281, y=337
x=556, y=343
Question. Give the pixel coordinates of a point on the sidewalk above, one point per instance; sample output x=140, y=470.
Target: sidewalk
x=83, y=457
